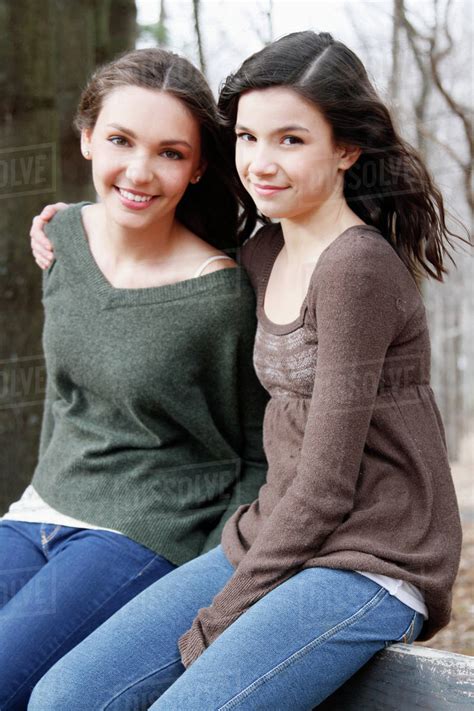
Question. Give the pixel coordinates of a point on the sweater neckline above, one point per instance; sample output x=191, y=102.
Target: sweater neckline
x=276, y=245
x=114, y=296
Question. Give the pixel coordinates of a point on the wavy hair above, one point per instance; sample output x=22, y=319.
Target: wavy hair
x=210, y=207
x=389, y=186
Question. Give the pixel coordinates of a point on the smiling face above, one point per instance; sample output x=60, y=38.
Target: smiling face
x=145, y=149
x=286, y=156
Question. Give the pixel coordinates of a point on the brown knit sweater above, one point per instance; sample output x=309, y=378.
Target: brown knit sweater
x=358, y=474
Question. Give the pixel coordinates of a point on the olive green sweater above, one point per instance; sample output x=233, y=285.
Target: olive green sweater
x=152, y=422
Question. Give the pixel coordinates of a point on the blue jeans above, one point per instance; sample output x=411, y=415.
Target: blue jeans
x=57, y=584
x=288, y=651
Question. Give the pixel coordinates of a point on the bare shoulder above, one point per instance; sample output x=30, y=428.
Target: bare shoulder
x=219, y=261
x=206, y=258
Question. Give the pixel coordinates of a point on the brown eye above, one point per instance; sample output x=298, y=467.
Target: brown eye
x=172, y=155
x=118, y=140
x=291, y=140
x=245, y=137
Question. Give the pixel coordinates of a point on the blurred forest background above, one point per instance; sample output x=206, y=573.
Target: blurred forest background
x=419, y=53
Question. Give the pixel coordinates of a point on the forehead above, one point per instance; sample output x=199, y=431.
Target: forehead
x=276, y=107
x=134, y=106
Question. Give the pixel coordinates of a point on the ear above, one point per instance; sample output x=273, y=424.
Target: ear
x=348, y=155
x=199, y=172
x=202, y=167
x=86, y=135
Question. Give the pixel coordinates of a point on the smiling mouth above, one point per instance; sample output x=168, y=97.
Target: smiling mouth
x=268, y=189
x=134, y=196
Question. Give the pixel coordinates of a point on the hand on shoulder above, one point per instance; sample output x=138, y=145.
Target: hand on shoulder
x=40, y=245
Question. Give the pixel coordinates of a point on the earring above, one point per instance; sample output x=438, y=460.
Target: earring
x=197, y=178
x=87, y=154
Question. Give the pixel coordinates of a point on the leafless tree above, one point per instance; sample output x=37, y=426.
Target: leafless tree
x=430, y=49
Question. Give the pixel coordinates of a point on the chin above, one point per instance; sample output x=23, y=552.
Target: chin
x=272, y=213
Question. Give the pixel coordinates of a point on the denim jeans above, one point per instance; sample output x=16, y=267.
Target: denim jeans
x=57, y=584
x=290, y=650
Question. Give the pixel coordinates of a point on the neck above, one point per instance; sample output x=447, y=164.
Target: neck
x=307, y=235
x=126, y=246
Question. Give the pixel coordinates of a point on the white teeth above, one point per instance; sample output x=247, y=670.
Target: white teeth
x=135, y=198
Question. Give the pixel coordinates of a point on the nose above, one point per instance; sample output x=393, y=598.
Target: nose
x=262, y=162
x=139, y=170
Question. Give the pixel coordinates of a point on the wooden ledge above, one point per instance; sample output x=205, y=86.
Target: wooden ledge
x=404, y=677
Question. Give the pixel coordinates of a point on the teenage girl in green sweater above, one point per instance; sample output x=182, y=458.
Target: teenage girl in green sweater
x=354, y=540
x=146, y=446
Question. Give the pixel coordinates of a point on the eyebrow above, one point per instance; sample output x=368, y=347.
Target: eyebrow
x=283, y=129
x=129, y=132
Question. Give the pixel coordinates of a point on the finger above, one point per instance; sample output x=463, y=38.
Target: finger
x=41, y=243
x=44, y=263
x=41, y=246
x=41, y=263
x=40, y=254
x=50, y=210
x=37, y=235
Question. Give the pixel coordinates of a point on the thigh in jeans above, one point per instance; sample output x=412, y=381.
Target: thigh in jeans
x=87, y=577
x=133, y=657
x=295, y=646
x=21, y=556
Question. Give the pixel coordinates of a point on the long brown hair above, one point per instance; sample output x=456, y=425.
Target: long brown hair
x=209, y=208
x=389, y=186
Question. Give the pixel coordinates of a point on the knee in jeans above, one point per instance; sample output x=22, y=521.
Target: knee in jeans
x=48, y=695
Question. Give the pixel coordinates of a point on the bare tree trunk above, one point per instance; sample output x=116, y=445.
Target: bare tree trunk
x=394, y=86
x=28, y=176
x=47, y=52
x=89, y=33
x=162, y=32
x=197, y=29
x=122, y=26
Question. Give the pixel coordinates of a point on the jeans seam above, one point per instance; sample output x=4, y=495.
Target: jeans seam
x=138, y=681
x=407, y=636
x=235, y=700
x=45, y=539
x=26, y=681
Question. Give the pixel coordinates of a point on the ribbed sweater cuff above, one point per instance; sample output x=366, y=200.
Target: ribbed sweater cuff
x=191, y=646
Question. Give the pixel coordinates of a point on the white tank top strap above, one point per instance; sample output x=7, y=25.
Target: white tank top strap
x=208, y=261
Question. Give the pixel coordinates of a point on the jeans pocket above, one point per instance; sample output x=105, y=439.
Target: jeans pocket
x=409, y=634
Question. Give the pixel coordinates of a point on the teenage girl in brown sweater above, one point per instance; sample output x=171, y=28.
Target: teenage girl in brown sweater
x=354, y=540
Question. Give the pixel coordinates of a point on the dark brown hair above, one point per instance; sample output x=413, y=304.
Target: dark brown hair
x=389, y=186
x=209, y=208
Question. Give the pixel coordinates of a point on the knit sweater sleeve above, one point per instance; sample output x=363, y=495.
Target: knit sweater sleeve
x=50, y=395
x=355, y=301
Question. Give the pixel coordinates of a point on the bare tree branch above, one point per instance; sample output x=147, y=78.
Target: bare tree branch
x=442, y=144
x=428, y=61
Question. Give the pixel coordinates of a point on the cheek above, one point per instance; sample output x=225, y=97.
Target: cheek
x=175, y=178
x=241, y=163
x=104, y=166
x=319, y=173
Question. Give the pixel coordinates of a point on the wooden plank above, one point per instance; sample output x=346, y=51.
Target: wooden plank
x=405, y=677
